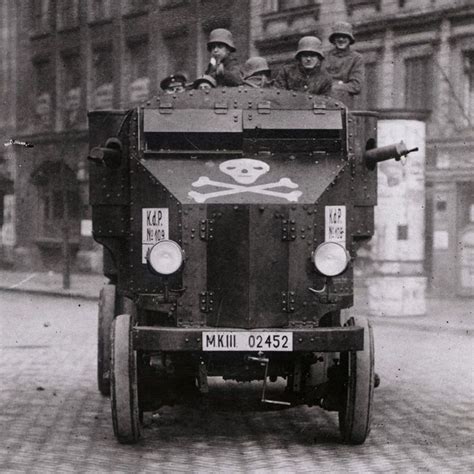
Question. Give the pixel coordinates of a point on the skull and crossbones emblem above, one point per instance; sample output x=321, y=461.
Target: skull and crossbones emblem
x=245, y=171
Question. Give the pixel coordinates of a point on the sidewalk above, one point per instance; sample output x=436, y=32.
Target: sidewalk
x=84, y=286
x=454, y=314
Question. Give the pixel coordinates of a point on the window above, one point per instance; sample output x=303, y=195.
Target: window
x=68, y=13
x=137, y=5
x=41, y=16
x=53, y=197
x=103, y=77
x=177, y=48
x=71, y=90
x=418, y=83
x=138, y=69
x=370, y=87
x=171, y=3
x=43, y=93
x=283, y=5
x=351, y=5
x=99, y=10
x=469, y=87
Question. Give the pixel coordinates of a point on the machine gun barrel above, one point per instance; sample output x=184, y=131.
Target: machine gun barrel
x=383, y=153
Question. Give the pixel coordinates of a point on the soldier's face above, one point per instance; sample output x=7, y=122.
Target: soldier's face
x=309, y=60
x=172, y=89
x=258, y=80
x=219, y=51
x=342, y=41
x=204, y=86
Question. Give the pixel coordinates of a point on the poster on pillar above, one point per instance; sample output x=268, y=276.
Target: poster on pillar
x=398, y=246
x=400, y=212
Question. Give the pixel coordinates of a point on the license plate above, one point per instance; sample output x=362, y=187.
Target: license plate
x=247, y=341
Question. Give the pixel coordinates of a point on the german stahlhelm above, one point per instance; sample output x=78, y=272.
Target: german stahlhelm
x=310, y=44
x=221, y=35
x=205, y=78
x=255, y=65
x=342, y=28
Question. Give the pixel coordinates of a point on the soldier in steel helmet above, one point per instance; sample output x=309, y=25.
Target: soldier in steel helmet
x=306, y=73
x=204, y=82
x=345, y=66
x=256, y=73
x=222, y=65
x=174, y=83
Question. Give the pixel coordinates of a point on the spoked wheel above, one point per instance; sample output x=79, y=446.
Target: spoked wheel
x=358, y=367
x=124, y=385
x=106, y=316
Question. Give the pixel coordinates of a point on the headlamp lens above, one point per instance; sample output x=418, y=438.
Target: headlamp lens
x=165, y=257
x=331, y=258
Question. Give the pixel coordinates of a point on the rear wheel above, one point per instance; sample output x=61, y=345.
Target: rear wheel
x=358, y=368
x=124, y=383
x=106, y=316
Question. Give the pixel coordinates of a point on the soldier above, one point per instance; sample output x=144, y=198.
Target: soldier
x=204, y=82
x=256, y=72
x=306, y=74
x=222, y=65
x=345, y=66
x=174, y=83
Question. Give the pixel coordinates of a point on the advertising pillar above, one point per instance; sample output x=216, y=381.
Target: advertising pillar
x=398, y=284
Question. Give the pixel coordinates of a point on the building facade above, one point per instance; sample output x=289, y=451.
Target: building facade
x=419, y=60
x=79, y=55
x=8, y=47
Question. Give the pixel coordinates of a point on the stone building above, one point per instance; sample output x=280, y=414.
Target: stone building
x=419, y=61
x=8, y=35
x=79, y=55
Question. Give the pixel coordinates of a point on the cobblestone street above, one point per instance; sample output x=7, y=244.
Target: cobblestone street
x=54, y=419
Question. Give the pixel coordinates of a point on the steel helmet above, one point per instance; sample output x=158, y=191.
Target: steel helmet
x=254, y=65
x=342, y=28
x=221, y=35
x=311, y=44
x=205, y=78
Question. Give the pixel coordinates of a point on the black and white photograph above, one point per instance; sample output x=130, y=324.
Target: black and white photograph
x=237, y=236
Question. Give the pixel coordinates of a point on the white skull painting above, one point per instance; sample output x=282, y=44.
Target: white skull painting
x=244, y=170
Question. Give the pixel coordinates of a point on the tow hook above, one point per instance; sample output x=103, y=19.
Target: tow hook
x=264, y=362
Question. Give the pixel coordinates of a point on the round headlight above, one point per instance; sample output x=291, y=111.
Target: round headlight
x=331, y=258
x=165, y=257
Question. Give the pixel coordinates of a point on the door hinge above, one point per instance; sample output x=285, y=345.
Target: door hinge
x=206, y=301
x=288, y=301
x=206, y=229
x=288, y=229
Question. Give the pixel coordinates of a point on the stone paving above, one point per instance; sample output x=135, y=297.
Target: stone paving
x=54, y=420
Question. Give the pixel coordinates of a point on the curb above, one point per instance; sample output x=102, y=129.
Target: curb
x=53, y=293
x=463, y=330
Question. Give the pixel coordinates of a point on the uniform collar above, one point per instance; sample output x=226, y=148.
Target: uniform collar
x=341, y=53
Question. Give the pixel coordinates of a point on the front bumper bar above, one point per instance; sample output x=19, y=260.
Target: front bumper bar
x=333, y=339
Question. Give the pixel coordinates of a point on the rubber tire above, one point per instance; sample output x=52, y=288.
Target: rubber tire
x=355, y=417
x=106, y=316
x=124, y=386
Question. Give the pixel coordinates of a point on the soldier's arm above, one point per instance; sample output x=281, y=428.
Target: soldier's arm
x=356, y=78
x=326, y=87
x=280, y=81
x=230, y=74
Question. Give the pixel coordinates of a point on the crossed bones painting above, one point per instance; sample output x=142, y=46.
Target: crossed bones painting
x=245, y=172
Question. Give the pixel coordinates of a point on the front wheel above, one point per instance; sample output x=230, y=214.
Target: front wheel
x=124, y=383
x=106, y=316
x=358, y=369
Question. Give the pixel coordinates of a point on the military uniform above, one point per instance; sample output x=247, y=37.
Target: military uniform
x=230, y=76
x=296, y=77
x=346, y=69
